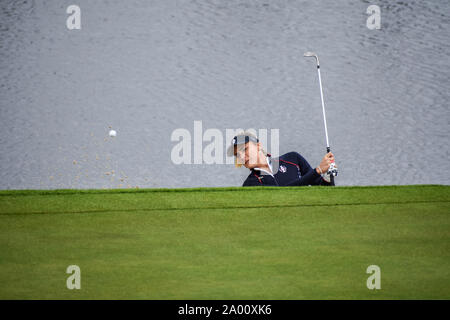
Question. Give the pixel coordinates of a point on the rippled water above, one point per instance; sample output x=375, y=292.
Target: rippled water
x=146, y=68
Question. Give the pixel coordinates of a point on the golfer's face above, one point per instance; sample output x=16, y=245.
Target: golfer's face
x=247, y=155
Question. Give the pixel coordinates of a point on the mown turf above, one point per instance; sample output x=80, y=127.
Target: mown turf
x=226, y=243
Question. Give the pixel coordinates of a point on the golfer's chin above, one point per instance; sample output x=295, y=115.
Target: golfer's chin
x=249, y=165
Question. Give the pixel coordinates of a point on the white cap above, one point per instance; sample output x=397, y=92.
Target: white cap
x=241, y=138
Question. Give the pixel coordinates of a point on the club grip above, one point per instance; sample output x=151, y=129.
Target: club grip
x=331, y=176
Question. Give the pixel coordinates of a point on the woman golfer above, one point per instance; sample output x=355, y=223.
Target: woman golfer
x=290, y=169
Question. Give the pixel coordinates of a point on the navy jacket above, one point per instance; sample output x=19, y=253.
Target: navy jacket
x=293, y=170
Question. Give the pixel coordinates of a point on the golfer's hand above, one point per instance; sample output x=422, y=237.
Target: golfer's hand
x=325, y=163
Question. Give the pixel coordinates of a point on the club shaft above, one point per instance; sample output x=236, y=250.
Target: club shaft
x=323, y=107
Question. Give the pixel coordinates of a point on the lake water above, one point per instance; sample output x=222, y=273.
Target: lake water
x=147, y=68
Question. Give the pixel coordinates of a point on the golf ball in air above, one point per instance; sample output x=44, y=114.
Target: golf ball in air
x=112, y=133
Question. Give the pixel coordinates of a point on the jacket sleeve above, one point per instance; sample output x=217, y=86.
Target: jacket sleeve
x=309, y=175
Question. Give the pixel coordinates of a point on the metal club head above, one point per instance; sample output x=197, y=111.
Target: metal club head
x=311, y=54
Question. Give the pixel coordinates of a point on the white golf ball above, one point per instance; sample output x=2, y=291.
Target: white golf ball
x=112, y=133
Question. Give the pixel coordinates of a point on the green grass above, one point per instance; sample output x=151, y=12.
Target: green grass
x=226, y=243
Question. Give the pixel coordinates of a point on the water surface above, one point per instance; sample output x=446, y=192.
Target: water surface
x=146, y=68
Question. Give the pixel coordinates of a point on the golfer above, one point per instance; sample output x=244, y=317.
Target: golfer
x=290, y=169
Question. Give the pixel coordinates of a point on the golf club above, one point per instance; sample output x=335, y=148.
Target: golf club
x=332, y=171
